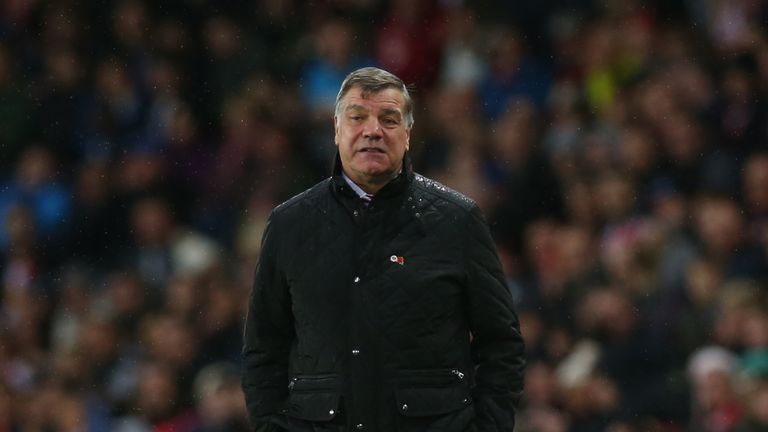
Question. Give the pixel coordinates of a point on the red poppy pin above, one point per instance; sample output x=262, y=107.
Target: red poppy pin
x=397, y=259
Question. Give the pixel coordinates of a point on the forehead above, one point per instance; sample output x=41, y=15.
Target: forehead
x=389, y=97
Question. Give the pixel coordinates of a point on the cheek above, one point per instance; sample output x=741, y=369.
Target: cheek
x=347, y=135
x=343, y=139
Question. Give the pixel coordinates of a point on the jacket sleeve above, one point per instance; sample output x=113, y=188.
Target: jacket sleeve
x=497, y=345
x=268, y=337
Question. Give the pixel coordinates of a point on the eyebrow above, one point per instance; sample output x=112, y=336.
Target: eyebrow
x=387, y=111
x=384, y=111
x=354, y=107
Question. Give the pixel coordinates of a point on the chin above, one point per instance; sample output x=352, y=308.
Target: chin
x=376, y=173
x=375, y=169
x=378, y=176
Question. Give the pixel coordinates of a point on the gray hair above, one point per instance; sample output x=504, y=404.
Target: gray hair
x=374, y=80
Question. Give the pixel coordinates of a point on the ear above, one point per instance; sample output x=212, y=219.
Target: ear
x=336, y=130
x=407, y=139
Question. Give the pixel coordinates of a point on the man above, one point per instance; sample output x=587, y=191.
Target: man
x=379, y=303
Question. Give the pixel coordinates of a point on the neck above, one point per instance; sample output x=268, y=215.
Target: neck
x=371, y=184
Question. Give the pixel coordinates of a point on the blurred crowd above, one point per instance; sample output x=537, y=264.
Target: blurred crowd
x=619, y=150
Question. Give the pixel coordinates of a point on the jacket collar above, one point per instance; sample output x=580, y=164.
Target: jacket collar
x=395, y=194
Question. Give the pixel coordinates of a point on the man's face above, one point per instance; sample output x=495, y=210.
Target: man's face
x=372, y=136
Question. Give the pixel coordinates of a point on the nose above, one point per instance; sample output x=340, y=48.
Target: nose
x=372, y=128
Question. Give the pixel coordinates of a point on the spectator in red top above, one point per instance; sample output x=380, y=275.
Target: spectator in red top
x=409, y=42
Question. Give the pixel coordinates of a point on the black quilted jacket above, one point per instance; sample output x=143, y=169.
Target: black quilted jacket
x=391, y=317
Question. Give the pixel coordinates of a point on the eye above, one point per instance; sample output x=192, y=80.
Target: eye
x=355, y=117
x=390, y=121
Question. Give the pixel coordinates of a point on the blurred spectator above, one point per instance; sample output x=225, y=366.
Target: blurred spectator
x=463, y=64
x=99, y=219
x=14, y=108
x=257, y=162
x=162, y=247
x=186, y=157
x=220, y=322
x=716, y=406
x=740, y=114
x=732, y=24
x=409, y=40
x=453, y=152
x=740, y=315
x=702, y=291
x=156, y=405
x=116, y=112
x=220, y=404
x=524, y=186
x=754, y=371
x=36, y=187
x=512, y=74
x=62, y=98
x=720, y=228
x=755, y=195
x=233, y=57
x=542, y=395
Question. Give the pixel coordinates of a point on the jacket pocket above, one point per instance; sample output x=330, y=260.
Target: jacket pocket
x=424, y=393
x=314, y=397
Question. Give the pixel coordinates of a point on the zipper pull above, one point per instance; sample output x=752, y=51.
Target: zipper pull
x=458, y=373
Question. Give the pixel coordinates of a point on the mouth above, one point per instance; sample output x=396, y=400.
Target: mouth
x=371, y=150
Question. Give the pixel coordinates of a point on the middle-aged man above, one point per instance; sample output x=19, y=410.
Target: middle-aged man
x=379, y=303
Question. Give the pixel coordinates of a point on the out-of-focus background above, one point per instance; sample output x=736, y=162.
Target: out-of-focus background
x=619, y=150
